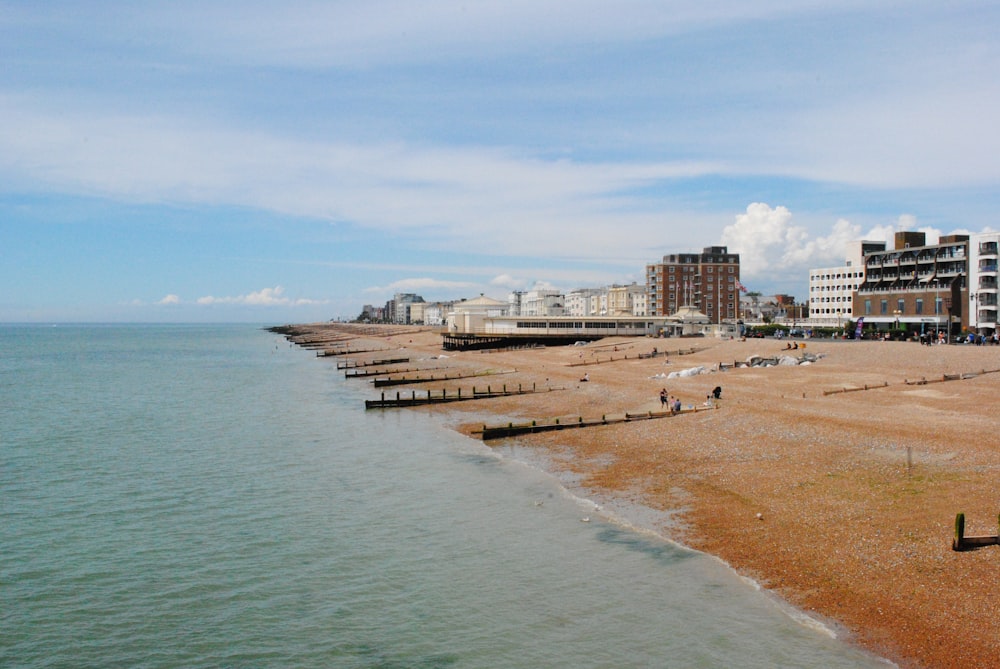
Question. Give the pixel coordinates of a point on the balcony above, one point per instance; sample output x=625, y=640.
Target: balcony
x=988, y=267
x=988, y=249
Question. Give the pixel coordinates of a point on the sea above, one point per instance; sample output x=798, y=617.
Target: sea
x=211, y=496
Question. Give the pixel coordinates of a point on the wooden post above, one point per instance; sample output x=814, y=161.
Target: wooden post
x=959, y=532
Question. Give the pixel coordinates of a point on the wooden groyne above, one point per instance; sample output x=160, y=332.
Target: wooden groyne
x=949, y=377
x=351, y=364
x=964, y=543
x=439, y=397
x=634, y=356
x=512, y=430
x=327, y=352
x=362, y=373
x=403, y=380
x=923, y=381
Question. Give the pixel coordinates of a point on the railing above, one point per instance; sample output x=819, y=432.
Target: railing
x=913, y=289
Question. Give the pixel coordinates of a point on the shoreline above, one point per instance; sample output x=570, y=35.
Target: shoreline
x=842, y=505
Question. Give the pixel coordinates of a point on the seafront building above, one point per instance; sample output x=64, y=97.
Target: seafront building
x=915, y=286
x=709, y=281
x=831, y=289
x=984, y=254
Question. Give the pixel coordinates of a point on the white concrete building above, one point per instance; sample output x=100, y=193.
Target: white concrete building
x=543, y=303
x=579, y=302
x=468, y=316
x=831, y=289
x=984, y=255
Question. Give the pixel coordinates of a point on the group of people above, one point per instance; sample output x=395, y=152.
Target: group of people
x=671, y=403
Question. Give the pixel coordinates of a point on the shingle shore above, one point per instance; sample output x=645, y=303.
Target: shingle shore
x=842, y=503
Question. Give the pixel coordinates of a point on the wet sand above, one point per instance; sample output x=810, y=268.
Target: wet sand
x=842, y=503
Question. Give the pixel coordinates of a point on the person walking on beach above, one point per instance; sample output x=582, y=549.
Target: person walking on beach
x=663, y=397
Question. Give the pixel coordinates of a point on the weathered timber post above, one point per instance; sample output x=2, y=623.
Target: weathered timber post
x=956, y=545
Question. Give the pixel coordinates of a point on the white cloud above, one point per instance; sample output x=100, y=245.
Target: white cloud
x=267, y=297
x=170, y=299
x=418, y=284
x=508, y=282
x=771, y=245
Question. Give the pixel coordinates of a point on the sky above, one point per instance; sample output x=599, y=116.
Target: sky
x=291, y=162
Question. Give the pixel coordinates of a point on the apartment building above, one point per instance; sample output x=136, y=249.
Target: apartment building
x=579, y=302
x=831, y=289
x=919, y=287
x=630, y=299
x=984, y=255
x=708, y=281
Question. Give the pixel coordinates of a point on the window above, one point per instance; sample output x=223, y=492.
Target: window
x=868, y=307
x=919, y=306
x=884, y=307
x=938, y=305
x=901, y=306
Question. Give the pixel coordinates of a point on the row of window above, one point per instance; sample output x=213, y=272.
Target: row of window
x=820, y=289
x=839, y=298
x=833, y=277
x=918, y=307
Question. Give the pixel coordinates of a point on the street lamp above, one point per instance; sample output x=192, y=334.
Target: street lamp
x=975, y=308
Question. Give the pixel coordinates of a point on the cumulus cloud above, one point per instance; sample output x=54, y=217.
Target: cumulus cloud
x=771, y=244
x=170, y=299
x=268, y=297
x=508, y=282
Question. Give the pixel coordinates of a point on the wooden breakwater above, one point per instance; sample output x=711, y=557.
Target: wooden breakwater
x=964, y=543
x=404, y=380
x=923, y=381
x=635, y=356
x=362, y=373
x=351, y=364
x=514, y=429
x=443, y=396
x=327, y=352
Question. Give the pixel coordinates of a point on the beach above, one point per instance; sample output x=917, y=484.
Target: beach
x=833, y=484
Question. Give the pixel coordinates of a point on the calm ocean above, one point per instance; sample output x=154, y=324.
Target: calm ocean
x=208, y=496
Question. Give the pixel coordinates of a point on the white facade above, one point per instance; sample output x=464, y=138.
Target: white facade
x=831, y=289
x=542, y=303
x=579, y=302
x=983, y=261
x=469, y=315
x=629, y=299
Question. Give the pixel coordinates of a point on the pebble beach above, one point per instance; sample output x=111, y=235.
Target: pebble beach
x=832, y=480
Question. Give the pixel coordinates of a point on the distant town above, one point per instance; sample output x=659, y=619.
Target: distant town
x=937, y=292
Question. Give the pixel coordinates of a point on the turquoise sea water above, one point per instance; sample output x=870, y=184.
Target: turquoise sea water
x=208, y=496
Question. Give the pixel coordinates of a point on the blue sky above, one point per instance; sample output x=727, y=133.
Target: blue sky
x=288, y=162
